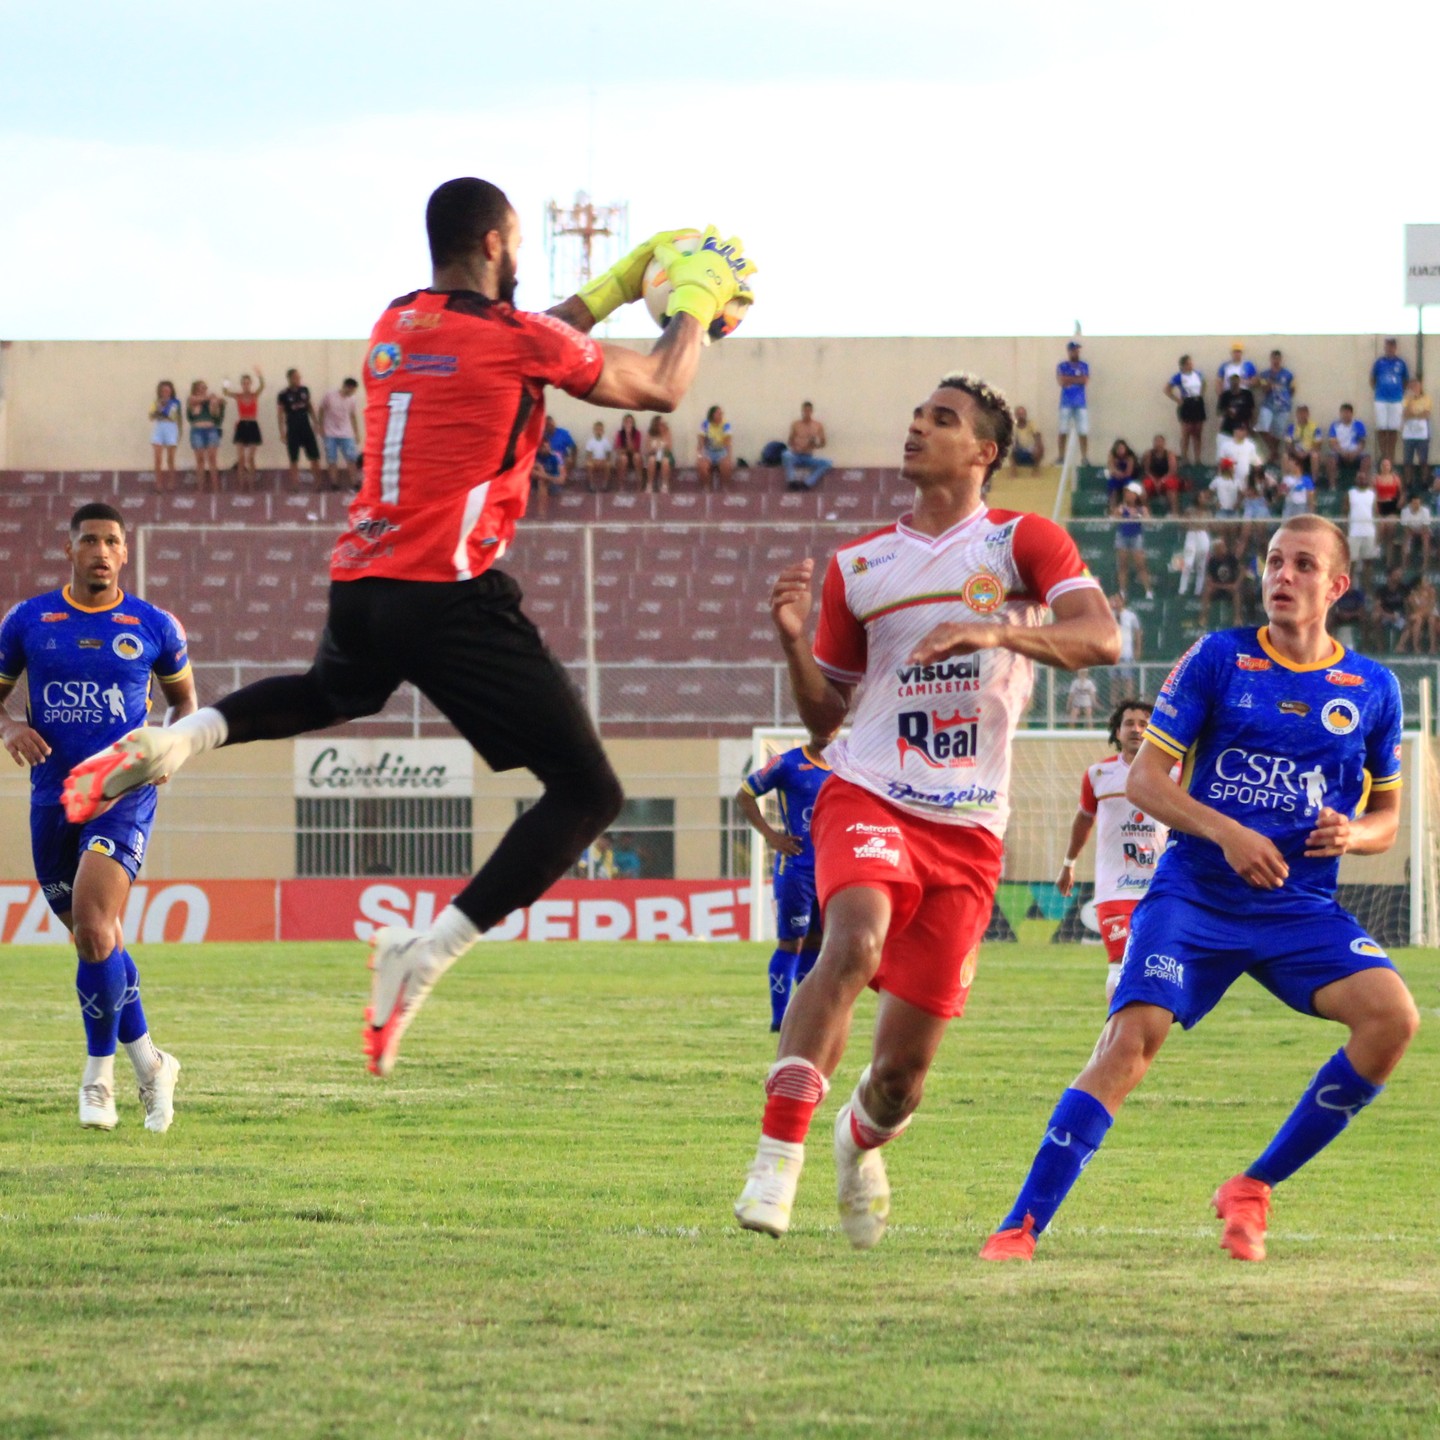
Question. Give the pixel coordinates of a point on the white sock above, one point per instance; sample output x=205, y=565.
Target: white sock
x=204, y=730
x=1112, y=979
x=144, y=1057
x=100, y=1070
x=452, y=934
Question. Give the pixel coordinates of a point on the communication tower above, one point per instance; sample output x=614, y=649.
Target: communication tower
x=582, y=239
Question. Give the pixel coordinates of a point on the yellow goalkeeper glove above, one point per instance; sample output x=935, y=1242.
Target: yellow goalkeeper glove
x=620, y=284
x=703, y=283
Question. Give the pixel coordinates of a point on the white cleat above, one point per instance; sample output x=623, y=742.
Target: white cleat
x=862, y=1189
x=142, y=757
x=157, y=1095
x=404, y=975
x=97, y=1107
x=770, y=1184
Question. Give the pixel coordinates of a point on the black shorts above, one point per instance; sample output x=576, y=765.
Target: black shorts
x=1192, y=410
x=466, y=646
x=247, y=432
x=301, y=437
x=1387, y=507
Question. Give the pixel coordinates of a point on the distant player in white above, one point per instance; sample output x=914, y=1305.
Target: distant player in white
x=1129, y=843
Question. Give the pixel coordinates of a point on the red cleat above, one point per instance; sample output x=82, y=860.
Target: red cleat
x=83, y=795
x=143, y=757
x=1244, y=1205
x=1014, y=1244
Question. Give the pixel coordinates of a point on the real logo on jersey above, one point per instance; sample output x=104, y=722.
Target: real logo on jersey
x=1340, y=716
x=101, y=845
x=127, y=647
x=1341, y=677
x=1251, y=662
x=983, y=592
x=384, y=359
x=941, y=741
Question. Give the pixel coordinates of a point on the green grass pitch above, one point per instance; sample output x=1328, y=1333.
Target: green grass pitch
x=526, y=1232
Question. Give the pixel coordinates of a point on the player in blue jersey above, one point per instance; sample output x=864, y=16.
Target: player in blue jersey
x=1281, y=730
x=88, y=651
x=795, y=779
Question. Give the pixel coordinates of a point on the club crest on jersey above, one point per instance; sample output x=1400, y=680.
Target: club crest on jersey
x=1342, y=677
x=127, y=647
x=101, y=845
x=983, y=592
x=1340, y=716
x=384, y=359
x=1251, y=662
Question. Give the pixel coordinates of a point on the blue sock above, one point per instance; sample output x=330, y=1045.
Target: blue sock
x=1335, y=1096
x=782, y=976
x=101, y=988
x=805, y=963
x=1077, y=1127
x=132, y=1013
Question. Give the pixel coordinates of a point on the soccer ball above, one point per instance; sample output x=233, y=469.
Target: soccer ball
x=655, y=288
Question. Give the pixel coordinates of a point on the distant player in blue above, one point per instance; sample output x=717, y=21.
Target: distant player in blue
x=1072, y=375
x=795, y=778
x=1389, y=376
x=1280, y=730
x=88, y=651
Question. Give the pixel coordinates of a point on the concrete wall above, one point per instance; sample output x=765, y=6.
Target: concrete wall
x=81, y=405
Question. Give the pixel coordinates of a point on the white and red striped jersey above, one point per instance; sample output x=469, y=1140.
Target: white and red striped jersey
x=1128, y=842
x=935, y=739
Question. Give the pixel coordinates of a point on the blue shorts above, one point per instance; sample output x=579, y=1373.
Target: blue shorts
x=1183, y=956
x=122, y=833
x=797, y=912
x=204, y=437
x=338, y=445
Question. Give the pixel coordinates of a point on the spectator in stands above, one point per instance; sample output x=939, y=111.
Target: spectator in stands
x=554, y=461
x=1121, y=467
x=1227, y=490
x=1389, y=376
x=1350, y=618
x=1415, y=437
x=1360, y=507
x=659, y=456
x=165, y=413
x=1240, y=450
x=1387, y=503
x=1297, y=486
x=714, y=450
x=1223, y=578
x=1421, y=635
x=1236, y=406
x=1187, y=390
x=1130, y=515
x=1345, y=447
x=296, y=415
x=1277, y=387
x=247, y=427
x=1160, y=474
x=597, y=861
x=1255, y=518
x=1238, y=366
x=204, y=434
x=1304, y=438
x=599, y=453
x=629, y=454
x=626, y=858
x=1195, y=554
x=1072, y=375
x=340, y=430
x=1388, y=618
x=1125, y=673
x=807, y=436
x=1028, y=449
x=1412, y=534
x=1081, y=699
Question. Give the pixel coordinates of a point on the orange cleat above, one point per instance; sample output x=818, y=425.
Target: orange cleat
x=1243, y=1204
x=83, y=795
x=1014, y=1244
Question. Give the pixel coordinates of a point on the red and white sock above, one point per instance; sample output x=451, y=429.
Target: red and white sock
x=865, y=1132
x=793, y=1089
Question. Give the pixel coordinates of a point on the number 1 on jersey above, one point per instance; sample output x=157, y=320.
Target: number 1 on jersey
x=390, y=451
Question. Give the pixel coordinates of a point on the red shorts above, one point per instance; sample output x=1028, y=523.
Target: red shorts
x=1114, y=917
x=941, y=881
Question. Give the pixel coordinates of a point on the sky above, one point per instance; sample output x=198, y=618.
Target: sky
x=912, y=168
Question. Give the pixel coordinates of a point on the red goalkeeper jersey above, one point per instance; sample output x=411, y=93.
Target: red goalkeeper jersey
x=454, y=409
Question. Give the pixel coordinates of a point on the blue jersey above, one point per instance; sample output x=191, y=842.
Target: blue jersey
x=88, y=673
x=1279, y=390
x=1268, y=743
x=1072, y=395
x=1390, y=375
x=796, y=778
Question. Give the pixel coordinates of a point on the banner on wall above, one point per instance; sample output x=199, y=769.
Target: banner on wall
x=375, y=769
x=156, y=912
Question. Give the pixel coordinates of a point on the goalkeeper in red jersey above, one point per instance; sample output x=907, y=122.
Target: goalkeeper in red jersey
x=455, y=381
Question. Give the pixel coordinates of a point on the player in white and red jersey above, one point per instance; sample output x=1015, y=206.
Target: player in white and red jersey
x=1129, y=843
x=455, y=381
x=928, y=634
